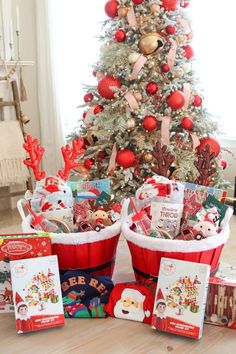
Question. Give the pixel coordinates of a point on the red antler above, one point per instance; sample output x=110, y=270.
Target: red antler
x=69, y=155
x=35, y=152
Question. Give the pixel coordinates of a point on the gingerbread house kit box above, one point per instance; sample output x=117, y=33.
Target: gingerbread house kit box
x=13, y=247
x=181, y=297
x=37, y=294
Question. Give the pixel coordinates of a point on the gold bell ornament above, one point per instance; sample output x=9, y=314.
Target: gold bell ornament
x=131, y=124
x=122, y=11
x=24, y=119
x=148, y=157
x=151, y=43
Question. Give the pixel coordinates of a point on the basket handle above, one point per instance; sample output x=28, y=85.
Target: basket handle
x=21, y=209
x=124, y=210
x=228, y=214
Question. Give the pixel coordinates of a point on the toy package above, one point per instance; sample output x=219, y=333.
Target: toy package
x=84, y=296
x=181, y=297
x=16, y=247
x=37, y=294
x=221, y=299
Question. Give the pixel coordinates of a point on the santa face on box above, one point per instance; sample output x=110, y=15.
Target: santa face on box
x=130, y=306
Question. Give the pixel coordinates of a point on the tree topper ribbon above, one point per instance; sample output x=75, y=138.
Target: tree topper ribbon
x=165, y=130
x=112, y=162
x=87, y=120
x=195, y=140
x=137, y=67
x=131, y=17
x=171, y=55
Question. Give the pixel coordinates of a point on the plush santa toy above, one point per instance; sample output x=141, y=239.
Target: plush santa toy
x=131, y=302
x=23, y=321
x=159, y=317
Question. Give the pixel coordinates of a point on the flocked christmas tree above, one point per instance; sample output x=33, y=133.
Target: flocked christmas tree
x=146, y=114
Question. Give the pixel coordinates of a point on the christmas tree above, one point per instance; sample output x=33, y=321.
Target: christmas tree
x=146, y=115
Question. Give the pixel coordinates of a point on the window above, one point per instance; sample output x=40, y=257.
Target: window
x=78, y=22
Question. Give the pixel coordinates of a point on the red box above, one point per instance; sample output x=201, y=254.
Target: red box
x=221, y=299
x=14, y=247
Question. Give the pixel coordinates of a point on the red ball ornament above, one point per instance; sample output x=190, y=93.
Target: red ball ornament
x=111, y=8
x=187, y=123
x=175, y=100
x=88, y=163
x=105, y=84
x=137, y=2
x=152, y=88
x=184, y=4
x=150, y=123
x=120, y=35
x=165, y=68
x=188, y=51
x=98, y=109
x=88, y=97
x=101, y=155
x=170, y=5
x=213, y=143
x=125, y=158
x=223, y=164
x=170, y=29
x=84, y=114
x=197, y=102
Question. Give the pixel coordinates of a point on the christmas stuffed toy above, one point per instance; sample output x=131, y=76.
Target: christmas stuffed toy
x=84, y=296
x=131, y=302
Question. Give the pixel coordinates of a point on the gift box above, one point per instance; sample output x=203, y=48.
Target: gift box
x=14, y=247
x=221, y=299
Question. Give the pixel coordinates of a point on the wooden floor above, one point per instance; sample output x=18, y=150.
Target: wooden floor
x=110, y=335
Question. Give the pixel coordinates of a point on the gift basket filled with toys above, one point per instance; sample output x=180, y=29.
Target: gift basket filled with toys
x=82, y=217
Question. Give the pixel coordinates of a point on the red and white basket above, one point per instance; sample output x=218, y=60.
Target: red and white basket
x=146, y=252
x=93, y=252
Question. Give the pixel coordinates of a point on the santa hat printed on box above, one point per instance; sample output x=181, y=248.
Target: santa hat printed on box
x=160, y=297
x=19, y=301
x=131, y=301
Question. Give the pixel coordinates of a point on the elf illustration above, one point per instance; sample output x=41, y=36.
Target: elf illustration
x=159, y=318
x=131, y=306
x=23, y=321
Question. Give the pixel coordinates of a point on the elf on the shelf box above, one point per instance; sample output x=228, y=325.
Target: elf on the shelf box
x=13, y=247
x=37, y=294
x=181, y=297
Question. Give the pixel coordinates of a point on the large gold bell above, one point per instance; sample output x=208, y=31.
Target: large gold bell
x=151, y=43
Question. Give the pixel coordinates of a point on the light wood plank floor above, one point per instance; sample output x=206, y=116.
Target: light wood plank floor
x=110, y=335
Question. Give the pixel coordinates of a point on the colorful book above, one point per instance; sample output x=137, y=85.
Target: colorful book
x=37, y=294
x=13, y=247
x=181, y=297
x=89, y=189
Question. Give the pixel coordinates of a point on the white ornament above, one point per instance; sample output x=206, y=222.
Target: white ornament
x=187, y=67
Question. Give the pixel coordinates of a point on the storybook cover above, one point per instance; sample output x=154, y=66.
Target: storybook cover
x=181, y=297
x=37, y=294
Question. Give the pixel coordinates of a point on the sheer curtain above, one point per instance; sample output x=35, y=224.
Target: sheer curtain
x=76, y=48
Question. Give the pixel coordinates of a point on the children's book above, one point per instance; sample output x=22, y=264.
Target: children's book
x=181, y=297
x=37, y=294
x=89, y=189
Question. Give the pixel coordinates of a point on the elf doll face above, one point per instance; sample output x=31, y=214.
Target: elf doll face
x=23, y=310
x=161, y=307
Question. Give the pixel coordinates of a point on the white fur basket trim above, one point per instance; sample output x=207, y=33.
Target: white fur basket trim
x=163, y=245
x=76, y=238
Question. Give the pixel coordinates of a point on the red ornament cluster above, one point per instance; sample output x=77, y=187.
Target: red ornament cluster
x=150, y=123
x=111, y=8
x=120, y=36
x=176, y=100
x=197, y=101
x=98, y=109
x=88, y=163
x=213, y=144
x=105, y=84
x=151, y=88
x=125, y=158
x=170, y=29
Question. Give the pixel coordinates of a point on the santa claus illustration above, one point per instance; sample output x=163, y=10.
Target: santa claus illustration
x=159, y=317
x=131, y=306
x=23, y=321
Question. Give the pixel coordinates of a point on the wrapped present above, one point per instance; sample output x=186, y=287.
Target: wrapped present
x=76, y=310
x=14, y=247
x=221, y=299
